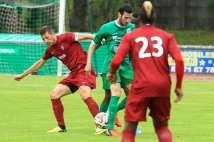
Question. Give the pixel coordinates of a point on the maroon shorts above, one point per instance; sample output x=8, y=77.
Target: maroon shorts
x=136, y=108
x=78, y=78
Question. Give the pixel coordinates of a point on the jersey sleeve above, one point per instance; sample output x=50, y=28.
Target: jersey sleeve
x=125, y=45
x=71, y=37
x=99, y=35
x=173, y=46
x=47, y=54
x=179, y=69
x=115, y=63
x=175, y=52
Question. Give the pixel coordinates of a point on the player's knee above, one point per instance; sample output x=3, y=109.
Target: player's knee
x=116, y=90
x=55, y=95
x=157, y=123
x=84, y=95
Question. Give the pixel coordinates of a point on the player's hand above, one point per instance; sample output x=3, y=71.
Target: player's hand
x=179, y=94
x=17, y=77
x=87, y=70
x=111, y=77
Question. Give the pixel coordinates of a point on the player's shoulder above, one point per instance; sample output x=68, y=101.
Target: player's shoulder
x=64, y=34
x=164, y=33
x=130, y=25
x=109, y=24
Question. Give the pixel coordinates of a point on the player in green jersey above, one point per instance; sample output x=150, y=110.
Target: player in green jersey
x=113, y=32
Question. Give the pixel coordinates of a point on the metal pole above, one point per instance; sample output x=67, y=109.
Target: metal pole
x=61, y=30
x=183, y=14
x=91, y=29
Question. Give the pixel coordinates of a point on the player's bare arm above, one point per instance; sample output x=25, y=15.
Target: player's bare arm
x=33, y=68
x=91, y=49
x=85, y=36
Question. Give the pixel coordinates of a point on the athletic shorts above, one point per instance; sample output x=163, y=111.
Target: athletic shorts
x=123, y=77
x=136, y=108
x=78, y=78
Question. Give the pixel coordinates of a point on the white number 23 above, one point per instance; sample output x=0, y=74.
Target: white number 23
x=157, y=45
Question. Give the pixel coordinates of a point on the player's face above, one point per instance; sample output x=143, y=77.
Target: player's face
x=125, y=18
x=136, y=22
x=49, y=38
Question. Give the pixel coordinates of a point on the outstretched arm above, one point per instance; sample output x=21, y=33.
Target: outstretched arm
x=33, y=68
x=85, y=36
x=179, y=64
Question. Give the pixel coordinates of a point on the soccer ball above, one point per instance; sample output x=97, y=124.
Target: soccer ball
x=101, y=120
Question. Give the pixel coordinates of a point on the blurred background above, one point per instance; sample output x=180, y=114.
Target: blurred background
x=172, y=14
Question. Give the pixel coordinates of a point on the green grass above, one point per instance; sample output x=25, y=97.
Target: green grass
x=26, y=113
x=196, y=37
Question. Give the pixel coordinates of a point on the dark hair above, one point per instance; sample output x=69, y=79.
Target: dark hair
x=125, y=8
x=147, y=13
x=46, y=29
x=135, y=14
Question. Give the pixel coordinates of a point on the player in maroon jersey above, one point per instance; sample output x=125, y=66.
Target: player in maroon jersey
x=149, y=48
x=67, y=49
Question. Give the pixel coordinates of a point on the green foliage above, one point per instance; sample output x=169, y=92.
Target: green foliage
x=69, y=10
x=102, y=11
x=34, y=2
x=188, y=37
x=212, y=4
x=29, y=20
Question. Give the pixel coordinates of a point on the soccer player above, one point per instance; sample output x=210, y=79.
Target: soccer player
x=149, y=48
x=136, y=22
x=112, y=32
x=66, y=48
x=135, y=19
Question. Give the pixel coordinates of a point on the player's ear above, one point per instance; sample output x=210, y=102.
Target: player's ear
x=119, y=14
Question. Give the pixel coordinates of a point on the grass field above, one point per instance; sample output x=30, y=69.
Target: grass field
x=26, y=113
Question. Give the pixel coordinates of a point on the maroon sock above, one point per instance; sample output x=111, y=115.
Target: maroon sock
x=128, y=136
x=58, y=111
x=92, y=106
x=163, y=133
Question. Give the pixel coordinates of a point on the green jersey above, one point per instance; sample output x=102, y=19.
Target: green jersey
x=113, y=33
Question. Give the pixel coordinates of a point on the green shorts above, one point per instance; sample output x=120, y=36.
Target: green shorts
x=123, y=77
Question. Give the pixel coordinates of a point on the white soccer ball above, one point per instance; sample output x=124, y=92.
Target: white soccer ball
x=101, y=120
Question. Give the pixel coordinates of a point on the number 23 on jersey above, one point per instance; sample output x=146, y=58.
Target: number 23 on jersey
x=157, y=45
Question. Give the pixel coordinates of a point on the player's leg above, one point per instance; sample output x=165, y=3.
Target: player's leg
x=162, y=131
x=116, y=92
x=59, y=91
x=104, y=105
x=106, y=86
x=106, y=100
x=122, y=104
x=160, y=112
x=128, y=134
x=85, y=93
x=126, y=77
x=133, y=115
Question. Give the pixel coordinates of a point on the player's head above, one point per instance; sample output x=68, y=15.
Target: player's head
x=48, y=36
x=135, y=19
x=124, y=14
x=147, y=13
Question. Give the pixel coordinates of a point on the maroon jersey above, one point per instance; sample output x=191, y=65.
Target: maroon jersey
x=149, y=48
x=67, y=50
